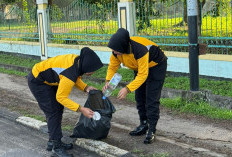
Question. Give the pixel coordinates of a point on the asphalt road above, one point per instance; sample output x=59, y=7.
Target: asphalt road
x=20, y=141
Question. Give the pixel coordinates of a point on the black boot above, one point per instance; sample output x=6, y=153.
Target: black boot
x=150, y=136
x=140, y=130
x=67, y=146
x=58, y=150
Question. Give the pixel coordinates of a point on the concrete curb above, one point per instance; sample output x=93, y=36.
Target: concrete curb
x=99, y=147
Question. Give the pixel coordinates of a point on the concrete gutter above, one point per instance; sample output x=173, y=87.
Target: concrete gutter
x=99, y=147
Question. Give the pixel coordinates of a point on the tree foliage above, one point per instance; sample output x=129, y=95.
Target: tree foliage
x=9, y=1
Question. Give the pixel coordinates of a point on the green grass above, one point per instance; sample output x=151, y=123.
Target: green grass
x=217, y=87
x=67, y=128
x=143, y=153
x=16, y=60
x=41, y=118
x=198, y=108
x=14, y=72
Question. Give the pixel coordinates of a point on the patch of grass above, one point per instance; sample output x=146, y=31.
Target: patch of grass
x=217, y=87
x=67, y=128
x=142, y=153
x=13, y=72
x=177, y=83
x=137, y=151
x=198, y=108
x=28, y=114
x=16, y=60
x=156, y=155
x=41, y=118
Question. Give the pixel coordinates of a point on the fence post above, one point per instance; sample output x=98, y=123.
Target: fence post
x=42, y=27
x=192, y=8
x=126, y=16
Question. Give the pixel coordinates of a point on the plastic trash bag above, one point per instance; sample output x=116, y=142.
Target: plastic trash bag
x=95, y=129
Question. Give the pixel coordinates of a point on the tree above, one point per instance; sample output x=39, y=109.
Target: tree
x=102, y=12
x=9, y=1
x=185, y=16
x=144, y=8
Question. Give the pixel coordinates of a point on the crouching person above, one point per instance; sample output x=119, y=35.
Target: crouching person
x=51, y=82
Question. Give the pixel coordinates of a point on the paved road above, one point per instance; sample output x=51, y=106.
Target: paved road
x=19, y=141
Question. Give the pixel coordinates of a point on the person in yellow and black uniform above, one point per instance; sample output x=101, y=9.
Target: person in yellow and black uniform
x=51, y=82
x=149, y=64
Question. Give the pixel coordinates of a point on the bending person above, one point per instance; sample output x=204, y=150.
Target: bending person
x=51, y=82
x=149, y=64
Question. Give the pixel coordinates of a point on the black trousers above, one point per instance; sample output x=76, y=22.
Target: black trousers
x=147, y=96
x=46, y=98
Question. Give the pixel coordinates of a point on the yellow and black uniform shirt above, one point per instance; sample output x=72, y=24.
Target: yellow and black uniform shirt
x=143, y=55
x=61, y=71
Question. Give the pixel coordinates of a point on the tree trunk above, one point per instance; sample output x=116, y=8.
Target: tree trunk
x=185, y=12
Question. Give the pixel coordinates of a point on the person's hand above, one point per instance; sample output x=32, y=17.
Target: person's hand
x=106, y=85
x=86, y=112
x=89, y=88
x=122, y=93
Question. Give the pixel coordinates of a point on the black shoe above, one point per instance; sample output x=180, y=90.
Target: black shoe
x=140, y=130
x=67, y=146
x=150, y=137
x=58, y=150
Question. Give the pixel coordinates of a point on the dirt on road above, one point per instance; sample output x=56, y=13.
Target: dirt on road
x=178, y=134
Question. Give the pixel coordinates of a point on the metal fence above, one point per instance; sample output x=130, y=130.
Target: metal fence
x=83, y=23
x=165, y=22
x=18, y=24
x=162, y=21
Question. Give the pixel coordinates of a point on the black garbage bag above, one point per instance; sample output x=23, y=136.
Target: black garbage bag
x=95, y=129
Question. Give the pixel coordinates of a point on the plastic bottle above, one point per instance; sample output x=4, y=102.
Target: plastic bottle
x=112, y=85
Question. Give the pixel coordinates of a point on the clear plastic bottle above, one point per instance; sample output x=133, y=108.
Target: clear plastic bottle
x=112, y=85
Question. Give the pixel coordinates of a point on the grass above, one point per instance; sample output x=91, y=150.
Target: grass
x=41, y=118
x=28, y=114
x=197, y=107
x=67, y=128
x=14, y=72
x=217, y=87
x=16, y=60
x=222, y=88
x=142, y=153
